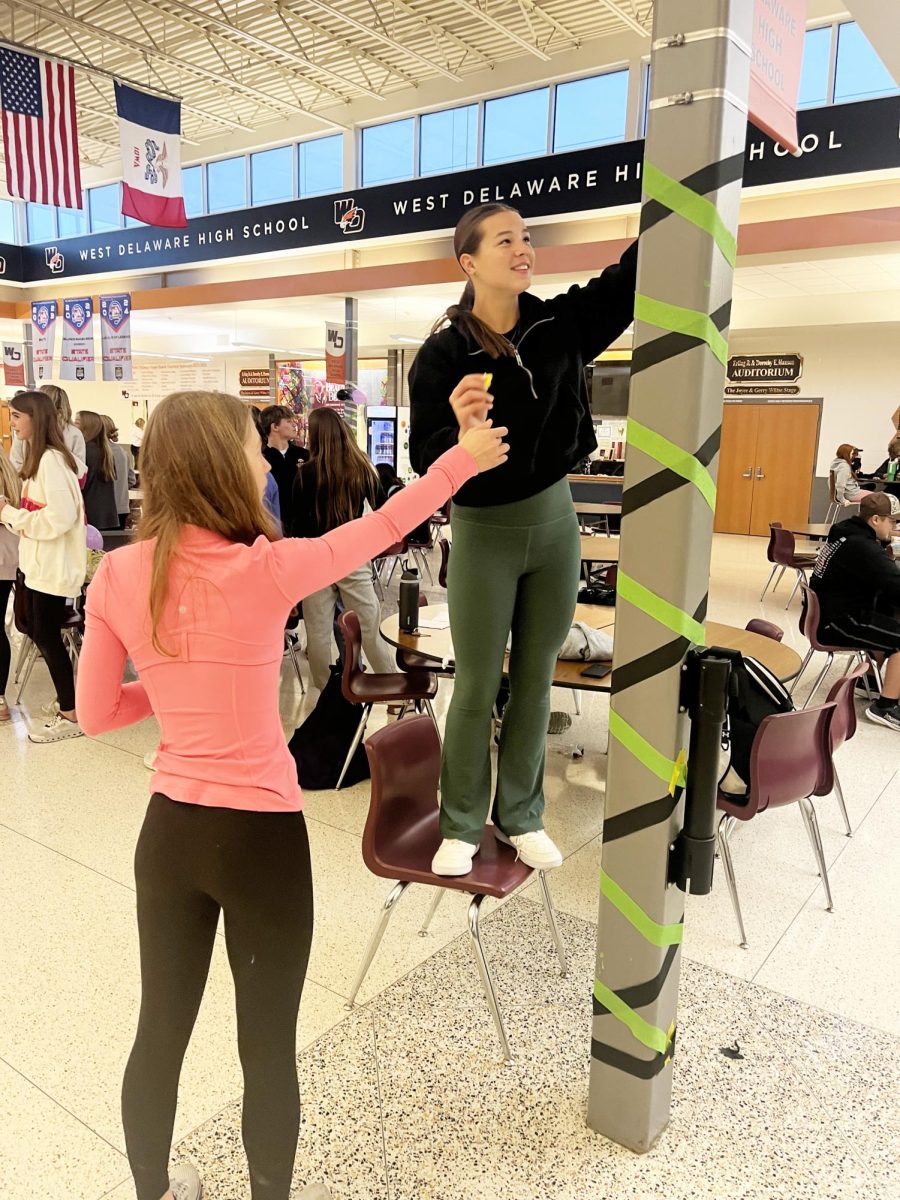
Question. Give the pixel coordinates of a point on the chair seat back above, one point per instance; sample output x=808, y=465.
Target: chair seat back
x=770, y=549
x=348, y=623
x=783, y=546
x=843, y=696
x=790, y=760
x=810, y=620
x=445, y=561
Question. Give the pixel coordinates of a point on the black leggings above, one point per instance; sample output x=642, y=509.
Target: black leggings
x=5, y=653
x=46, y=616
x=192, y=861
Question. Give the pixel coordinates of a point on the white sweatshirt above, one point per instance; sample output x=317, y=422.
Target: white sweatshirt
x=52, y=546
x=74, y=440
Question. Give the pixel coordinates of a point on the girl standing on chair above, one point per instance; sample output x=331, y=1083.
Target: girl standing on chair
x=52, y=546
x=516, y=553
x=224, y=830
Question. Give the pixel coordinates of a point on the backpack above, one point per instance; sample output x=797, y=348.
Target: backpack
x=754, y=693
x=320, y=744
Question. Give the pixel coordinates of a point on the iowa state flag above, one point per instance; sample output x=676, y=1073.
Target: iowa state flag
x=149, y=134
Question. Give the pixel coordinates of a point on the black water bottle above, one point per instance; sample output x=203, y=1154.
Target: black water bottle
x=409, y=600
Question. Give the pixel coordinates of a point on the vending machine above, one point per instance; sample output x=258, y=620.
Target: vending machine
x=387, y=438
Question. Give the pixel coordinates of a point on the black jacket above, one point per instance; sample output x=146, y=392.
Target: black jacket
x=304, y=521
x=540, y=394
x=853, y=575
x=284, y=470
x=100, y=506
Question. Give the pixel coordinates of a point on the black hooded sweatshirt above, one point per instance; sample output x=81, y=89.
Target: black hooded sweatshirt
x=853, y=575
x=540, y=394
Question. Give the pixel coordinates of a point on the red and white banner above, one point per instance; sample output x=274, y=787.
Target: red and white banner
x=779, y=27
x=13, y=364
x=150, y=140
x=335, y=353
x=43, y=338
x=77, y=358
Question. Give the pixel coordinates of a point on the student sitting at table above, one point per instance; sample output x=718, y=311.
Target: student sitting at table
x=845, y=469
x=858, y=587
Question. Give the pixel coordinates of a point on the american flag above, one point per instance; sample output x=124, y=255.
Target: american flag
x=40, y=136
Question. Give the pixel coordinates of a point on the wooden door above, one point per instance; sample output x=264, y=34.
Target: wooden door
x=783, y=468
x=737, y=467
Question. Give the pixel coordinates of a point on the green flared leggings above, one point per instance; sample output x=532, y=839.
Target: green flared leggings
x=514, y=568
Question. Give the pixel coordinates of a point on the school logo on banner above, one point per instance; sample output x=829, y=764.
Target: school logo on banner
x=43, y=338
x=115, y=337
x=335, y=353
x=77, y=359
x=349, y=217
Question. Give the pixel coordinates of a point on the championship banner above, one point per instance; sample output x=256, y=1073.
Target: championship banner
x=13, y=364
x=335, y=353
x=115, y=337
x=150, y=140
x=43, y=338
x=775, y=66
x=77, y=359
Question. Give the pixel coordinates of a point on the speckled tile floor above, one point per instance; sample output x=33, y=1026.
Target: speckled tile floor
x=405, y=1098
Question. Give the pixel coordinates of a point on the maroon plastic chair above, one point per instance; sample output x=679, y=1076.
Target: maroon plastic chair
x=810, y=619
x=444, y=547
x=843, y=728
x=790, y=761
x=765, y=629
x=781, y=552
x=392, y=555
x=402, y=835
x=440, y=520
x=368, y=689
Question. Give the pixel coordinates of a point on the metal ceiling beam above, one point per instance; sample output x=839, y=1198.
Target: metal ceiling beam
x=629, y=20
x=262, y=50
x=562, y=30
x=371, y=32
x=475, y=11
x=57, y=16
x=101, y=73
x=439, y=31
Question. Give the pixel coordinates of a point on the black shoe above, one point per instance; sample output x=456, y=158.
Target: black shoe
x=885, y=716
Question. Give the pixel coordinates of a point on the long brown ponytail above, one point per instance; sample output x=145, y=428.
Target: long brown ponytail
x=466, y=240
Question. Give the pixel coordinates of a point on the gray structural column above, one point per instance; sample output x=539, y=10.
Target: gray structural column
x=692, y=184
x=351, y=348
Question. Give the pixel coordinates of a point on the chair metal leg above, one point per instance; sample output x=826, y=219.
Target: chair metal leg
x=554, y=928
x=439, y=894
x=376, y=583
x=829, y=660
x=375, y=940
x=25, y=647
x=801, y=578
x=724, y=829
x=357, y=738
x=29, y=667
x=484, y=971
x=812, y=825
x=577, y=703
x=768, y=582
x=292, y=651
x=803, y=667
x=430, y=710
x=778, y=580
x=876, y=670
x=839, y=792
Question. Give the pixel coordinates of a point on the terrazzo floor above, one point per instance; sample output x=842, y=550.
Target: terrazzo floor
x=406, y=1097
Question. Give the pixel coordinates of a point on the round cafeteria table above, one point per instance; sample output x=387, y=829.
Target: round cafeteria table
x=436, y=644
x=599, y=549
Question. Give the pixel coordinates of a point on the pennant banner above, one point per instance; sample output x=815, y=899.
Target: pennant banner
x=115, y=336
x=150, y=139
x=77, y=360
x=43, y=338
x=13, y=364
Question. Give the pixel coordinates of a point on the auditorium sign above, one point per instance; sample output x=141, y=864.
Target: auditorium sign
x=764, y=374
x=834, y=140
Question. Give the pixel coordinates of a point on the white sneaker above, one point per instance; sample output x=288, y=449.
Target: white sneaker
x=185, y=1183
x=50, y=709
x=453, y=857
x=535, y=849
x=314, y=1191
x=56, y=730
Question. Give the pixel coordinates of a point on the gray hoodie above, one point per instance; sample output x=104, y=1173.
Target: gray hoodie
x=846, y=486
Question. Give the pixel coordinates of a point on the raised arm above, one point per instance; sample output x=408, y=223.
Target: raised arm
x=603, y=308
x=433, y=425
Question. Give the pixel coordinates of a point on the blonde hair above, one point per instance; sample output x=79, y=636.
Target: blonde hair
x=194, y=471
x=60, y=398
x=93, y=426
x=10, y=483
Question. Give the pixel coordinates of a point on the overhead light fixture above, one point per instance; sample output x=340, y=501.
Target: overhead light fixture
x=172, y=357
x=405, y=340
x=276, y=349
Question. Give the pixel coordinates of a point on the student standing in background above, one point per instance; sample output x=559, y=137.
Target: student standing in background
x=72, y=436
x=100, y=487
x=125, y=476
x=279, y=428
x=137, y=436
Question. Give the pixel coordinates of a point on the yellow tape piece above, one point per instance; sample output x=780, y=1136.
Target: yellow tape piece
x=488, y=379
x=679, y=772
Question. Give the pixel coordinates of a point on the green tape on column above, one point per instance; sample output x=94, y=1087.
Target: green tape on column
x=667, y=454
x=658, y=935
x=681, y=320
x=659, y=609
x=690, y=206
x=648, y=1035
x=654, y=760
